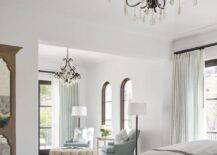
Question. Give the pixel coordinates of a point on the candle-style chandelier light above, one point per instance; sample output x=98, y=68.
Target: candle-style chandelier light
x=67, y=74
x=152, y=11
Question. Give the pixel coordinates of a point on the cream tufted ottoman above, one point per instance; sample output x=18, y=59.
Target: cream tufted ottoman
x=72, y=152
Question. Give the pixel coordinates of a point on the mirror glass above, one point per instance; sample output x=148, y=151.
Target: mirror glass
x=4, y=146
x=4, y=93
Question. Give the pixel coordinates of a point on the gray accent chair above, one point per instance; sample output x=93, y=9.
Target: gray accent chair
x=82, y=138
x=126, y=148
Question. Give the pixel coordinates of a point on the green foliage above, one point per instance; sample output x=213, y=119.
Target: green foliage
x=105, y=132
x=45, y=117
x=3, y=121
x=45, y=90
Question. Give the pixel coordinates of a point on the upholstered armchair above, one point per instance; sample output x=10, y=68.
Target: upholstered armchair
x=125, y=148
x=83, y=137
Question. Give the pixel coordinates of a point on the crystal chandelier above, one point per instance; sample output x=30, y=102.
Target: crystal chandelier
x=152, y=10
x=67, y=74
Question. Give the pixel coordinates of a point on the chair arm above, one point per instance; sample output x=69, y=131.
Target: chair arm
x=125, y=147
x=108, y=149
x=111, y=143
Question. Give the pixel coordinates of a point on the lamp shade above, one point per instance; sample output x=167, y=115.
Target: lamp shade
x=136, y=108
x=79, y=111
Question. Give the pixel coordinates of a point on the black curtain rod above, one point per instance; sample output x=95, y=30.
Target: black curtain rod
x=196, y=48
x=43, y=71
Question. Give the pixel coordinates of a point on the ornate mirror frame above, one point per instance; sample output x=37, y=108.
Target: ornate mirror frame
x=8, y=53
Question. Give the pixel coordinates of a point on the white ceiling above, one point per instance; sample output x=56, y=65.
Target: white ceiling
x=197, y=19
x=192, y=20
x=51, y=56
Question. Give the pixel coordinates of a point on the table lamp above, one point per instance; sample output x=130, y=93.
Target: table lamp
x=79, y=111
x=137, y=109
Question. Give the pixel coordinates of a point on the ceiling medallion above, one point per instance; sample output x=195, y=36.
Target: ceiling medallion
x=152, y=10
x=67, y=74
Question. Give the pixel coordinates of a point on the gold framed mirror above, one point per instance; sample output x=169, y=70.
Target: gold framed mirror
x=8, y=99
x=5, y=93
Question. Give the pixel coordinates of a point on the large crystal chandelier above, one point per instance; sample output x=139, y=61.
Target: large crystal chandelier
x=152, y=11
x=67, y=74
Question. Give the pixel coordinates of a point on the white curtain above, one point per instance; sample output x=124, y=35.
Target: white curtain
x=67, y=123
x=55, y=115
x=187, y=105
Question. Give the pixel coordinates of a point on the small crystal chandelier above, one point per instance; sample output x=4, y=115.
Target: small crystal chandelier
x=67, y=74
x=152, y=10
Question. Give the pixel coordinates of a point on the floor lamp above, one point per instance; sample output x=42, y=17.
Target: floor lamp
x=79, y=111
x=137, y=109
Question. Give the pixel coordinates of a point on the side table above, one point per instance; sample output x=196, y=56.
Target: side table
x=103, y=139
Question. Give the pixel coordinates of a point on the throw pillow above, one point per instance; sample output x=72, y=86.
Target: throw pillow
x=121, y=137
x=80, y=135
x=77, y=135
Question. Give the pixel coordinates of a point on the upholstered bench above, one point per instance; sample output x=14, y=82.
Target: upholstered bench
x=73, y=151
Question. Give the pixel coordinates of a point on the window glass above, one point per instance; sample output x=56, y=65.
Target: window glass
x=126, y=97
x=45, y=123
x=45, y=116
x=211, y=101
x=45, y=94
x=108, y=105
x=108, y=93
x=128, y=91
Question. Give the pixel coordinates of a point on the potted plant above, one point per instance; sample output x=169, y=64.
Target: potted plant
x=105, y=131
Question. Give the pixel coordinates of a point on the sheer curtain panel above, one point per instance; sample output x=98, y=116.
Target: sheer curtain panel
x=187, y=104
x=67, y=124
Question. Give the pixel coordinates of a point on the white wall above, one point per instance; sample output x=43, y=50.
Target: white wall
x=198, y=40
x=25, y=27
x=151, y=83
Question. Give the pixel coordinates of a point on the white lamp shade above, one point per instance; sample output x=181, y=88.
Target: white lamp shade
x=79, y=111
x=136, y=108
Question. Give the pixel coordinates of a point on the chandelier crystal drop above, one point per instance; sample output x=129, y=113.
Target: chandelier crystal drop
x=151, y=10
x=67, y=74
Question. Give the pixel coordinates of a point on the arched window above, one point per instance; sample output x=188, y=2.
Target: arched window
x=107, y=104
x=126, y=97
